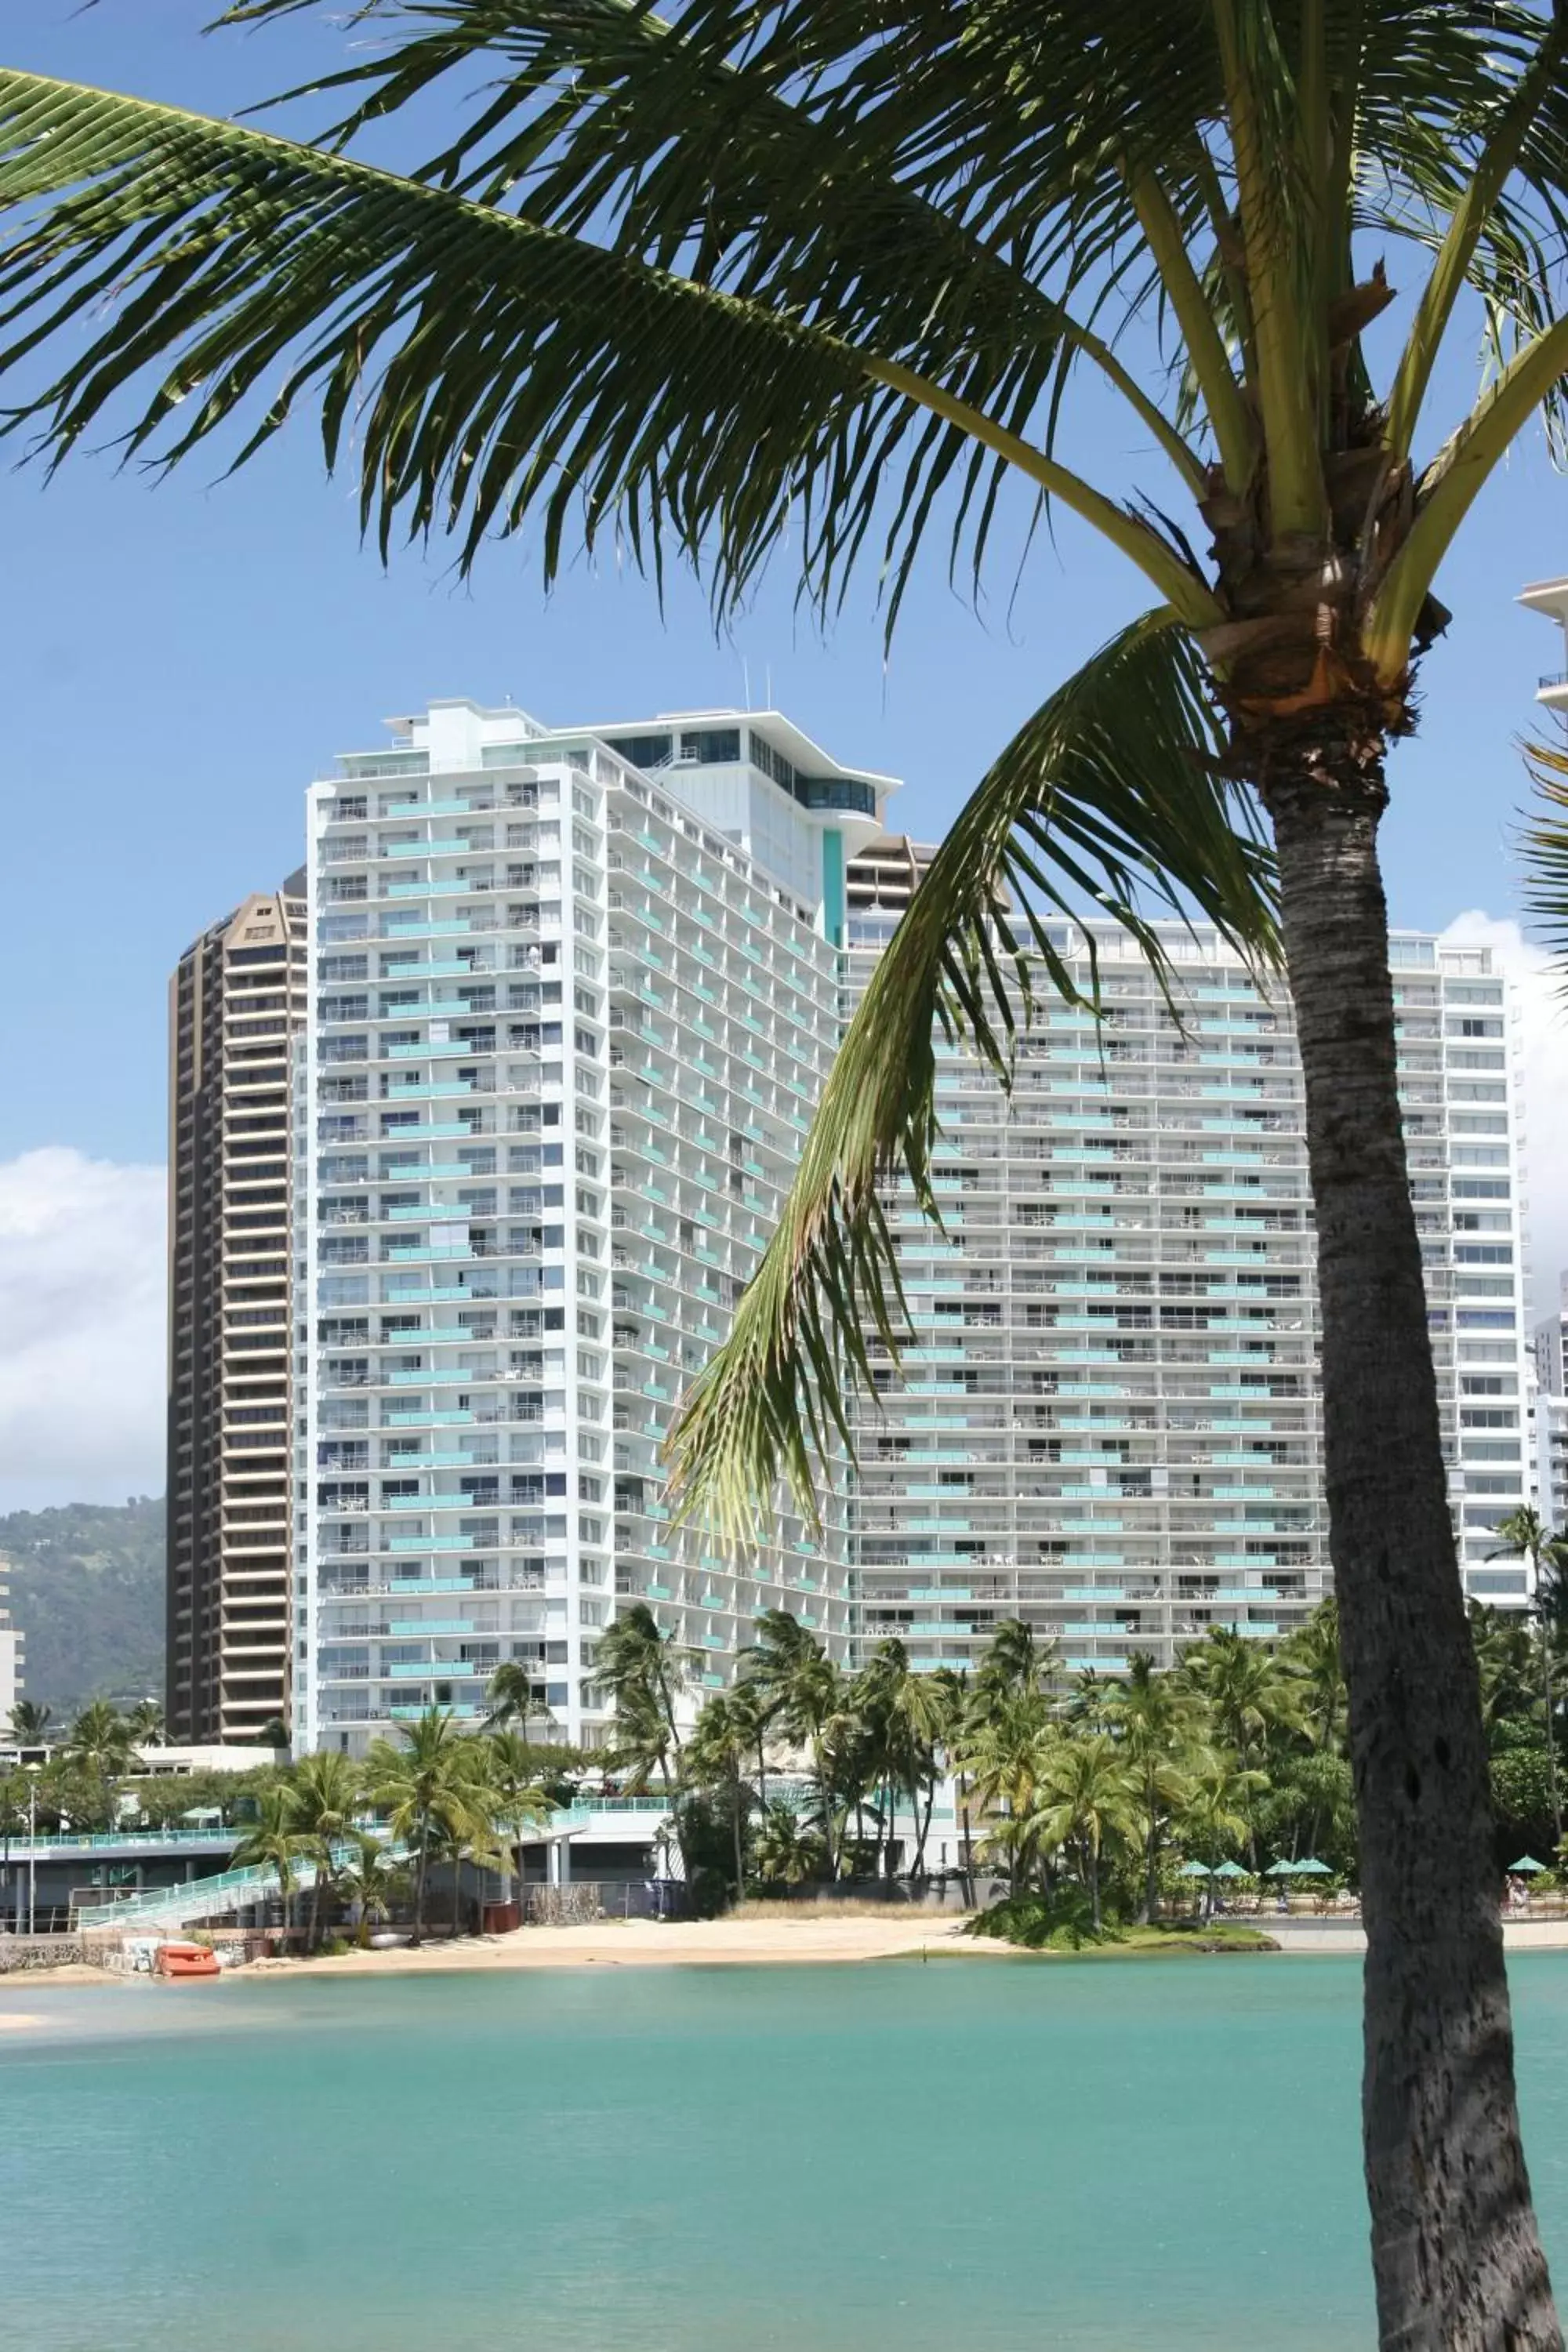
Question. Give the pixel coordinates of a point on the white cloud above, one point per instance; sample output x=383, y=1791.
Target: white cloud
x=83, y=1319
x=1540, y=1039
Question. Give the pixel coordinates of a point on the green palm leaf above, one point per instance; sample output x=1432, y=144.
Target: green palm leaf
x=587, y=382
x=1112, y=792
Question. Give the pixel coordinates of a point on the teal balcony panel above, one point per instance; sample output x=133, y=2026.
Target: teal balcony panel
x=405, y=1588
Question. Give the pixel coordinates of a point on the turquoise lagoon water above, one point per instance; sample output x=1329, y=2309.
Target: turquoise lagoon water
x=987, y=2154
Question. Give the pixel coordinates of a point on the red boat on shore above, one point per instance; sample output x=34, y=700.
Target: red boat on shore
x=186, y=1960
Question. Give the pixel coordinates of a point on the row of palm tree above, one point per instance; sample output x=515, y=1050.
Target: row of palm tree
x=1241, y=1749
x=435, y=1794
x=101, y=1736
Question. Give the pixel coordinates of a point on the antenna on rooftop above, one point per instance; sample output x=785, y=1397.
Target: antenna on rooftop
x=746, y=681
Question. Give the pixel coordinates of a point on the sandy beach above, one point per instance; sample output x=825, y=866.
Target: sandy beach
x=664, y=1943
x=772, y=1941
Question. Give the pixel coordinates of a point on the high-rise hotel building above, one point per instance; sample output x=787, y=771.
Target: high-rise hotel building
x=573, y=997
x=1109, y=1420
x=236, y=1001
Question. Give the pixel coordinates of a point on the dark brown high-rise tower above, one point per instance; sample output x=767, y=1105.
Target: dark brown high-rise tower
x=236, y=1002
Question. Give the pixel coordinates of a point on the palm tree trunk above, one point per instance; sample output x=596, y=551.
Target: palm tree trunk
x=1092, y=1850
x=423, y=1866
x=735, y=1825
x=1456, y=2255
x=922, y=1815
x=1151, y=1870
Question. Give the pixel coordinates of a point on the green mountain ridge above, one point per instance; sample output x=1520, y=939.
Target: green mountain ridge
x=87, y=1592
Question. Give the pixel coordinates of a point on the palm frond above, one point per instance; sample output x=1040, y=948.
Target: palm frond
x=1111, y=794
x=488, y=366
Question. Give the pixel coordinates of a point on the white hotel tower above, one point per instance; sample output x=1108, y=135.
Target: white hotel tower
x=1109, y=1422
x=574, y=995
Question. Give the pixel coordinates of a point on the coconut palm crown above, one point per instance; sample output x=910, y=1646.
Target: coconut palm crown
x=833, y=275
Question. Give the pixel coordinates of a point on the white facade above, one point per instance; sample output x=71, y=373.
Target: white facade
x=1551, y=1368
x=567, y=1030
x=10, y=1657
x=1549, y=598
x=1109, y=1422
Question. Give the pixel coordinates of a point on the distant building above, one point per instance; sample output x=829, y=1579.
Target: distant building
x=1549, y=1344
x=236, y=1001
x=10, y=1656
x=1550, y=1352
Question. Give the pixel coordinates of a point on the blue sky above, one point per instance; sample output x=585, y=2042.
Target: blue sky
x=180, y=659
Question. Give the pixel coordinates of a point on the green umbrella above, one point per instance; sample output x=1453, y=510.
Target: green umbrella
x=1280, y=1869
x=1313, y=1869
x=1232, y=1870
x=1193, y=1870
x=1527, y=1861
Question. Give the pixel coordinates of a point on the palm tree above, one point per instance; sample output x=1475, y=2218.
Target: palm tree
x=1014, y=1663
x=723, y=1742
x=1251, y=1691
x=365, y=1884
x=1002, y=1751
x=1524, y=1535
x=30, y=1720
x=517, y=1804
x=427, y=1789
x=274, y=1840
x=1313, y=1650
x=1216, y=1812
x=515, y=1697
x=784, y=1853
x=1505, y=1661
x=950, y=1692
x=1087, y=1794
x=325, y=1790
x=640, y=1669
x=1154, y=1721
x=146, y=1722
x=99, y=1741
x=845, y=306
x=913, y=1713
x=805, y=1695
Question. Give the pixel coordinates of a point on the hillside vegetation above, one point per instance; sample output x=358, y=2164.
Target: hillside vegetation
x=87, y=1591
